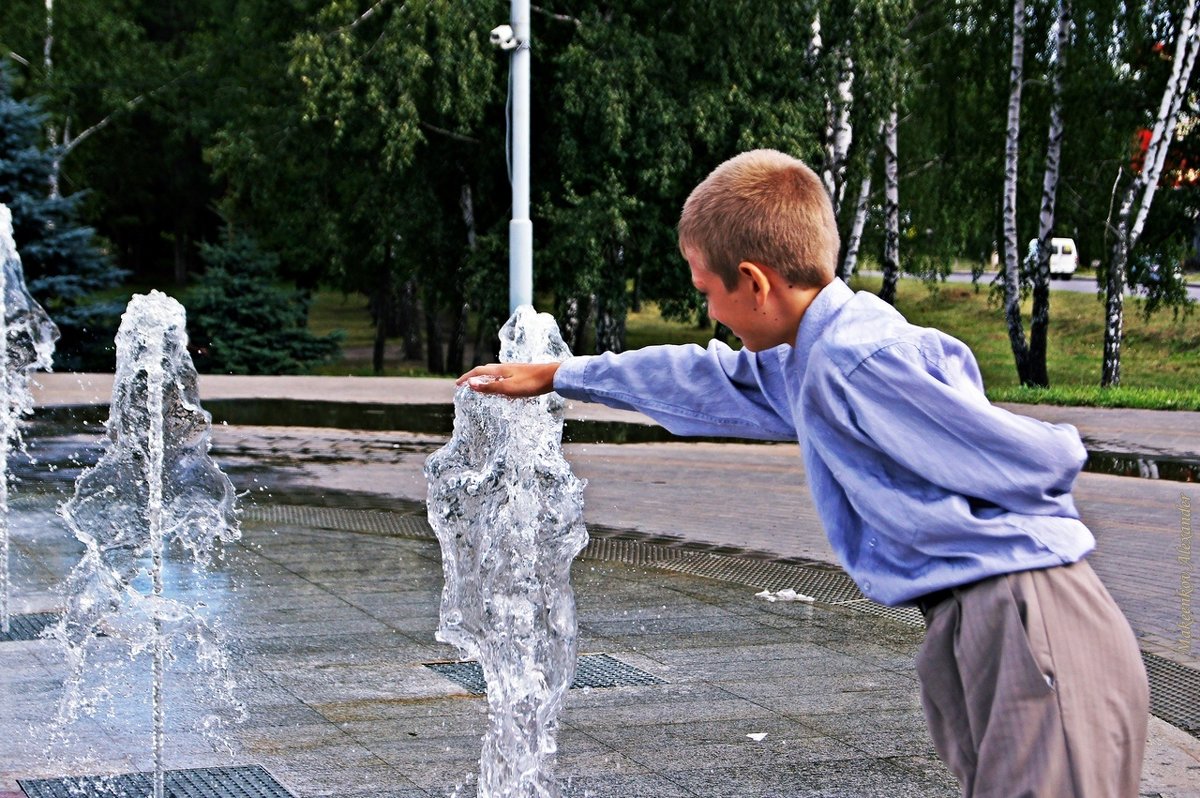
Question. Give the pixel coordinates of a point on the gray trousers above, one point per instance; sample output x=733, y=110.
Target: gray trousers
x=1033, y=687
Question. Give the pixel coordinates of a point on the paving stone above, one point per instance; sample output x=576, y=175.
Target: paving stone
x=330, y=629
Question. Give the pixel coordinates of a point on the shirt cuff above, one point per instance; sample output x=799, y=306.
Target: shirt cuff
x=569, y=379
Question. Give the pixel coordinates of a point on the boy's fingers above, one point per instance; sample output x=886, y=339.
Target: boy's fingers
x=486, y=383
x=492, y=369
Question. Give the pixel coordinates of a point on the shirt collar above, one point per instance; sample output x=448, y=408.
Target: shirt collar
x=819, y=314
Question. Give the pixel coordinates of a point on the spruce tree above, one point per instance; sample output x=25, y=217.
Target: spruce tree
x=241, y=320
x=63, y=264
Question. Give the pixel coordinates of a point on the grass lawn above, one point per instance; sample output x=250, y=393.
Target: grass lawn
x=1160, y=362
x=1160, y=357
x=333, y=310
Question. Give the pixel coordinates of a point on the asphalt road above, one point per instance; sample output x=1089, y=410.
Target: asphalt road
x=1079, y=285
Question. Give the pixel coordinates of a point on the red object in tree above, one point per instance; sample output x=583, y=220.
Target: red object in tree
x=1177, y=170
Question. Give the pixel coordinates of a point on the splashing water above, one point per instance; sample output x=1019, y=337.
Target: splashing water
x=154, y=485
x=27, y=339
x=508, y=513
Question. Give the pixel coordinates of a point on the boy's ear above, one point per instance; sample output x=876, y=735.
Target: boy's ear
x=760, y=283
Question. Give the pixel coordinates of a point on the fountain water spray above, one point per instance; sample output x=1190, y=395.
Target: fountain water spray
x=27, y=339
x=154, y=484
x=508, y=513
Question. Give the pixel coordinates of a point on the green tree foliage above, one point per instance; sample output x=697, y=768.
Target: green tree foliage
x=127, y=91
x=646, y=99
x=954, y=147
x=362, y=141
x=63, y=264
x=242, y=321
x=390, y=121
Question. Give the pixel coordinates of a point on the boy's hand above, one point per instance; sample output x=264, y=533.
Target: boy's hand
x=514, y=380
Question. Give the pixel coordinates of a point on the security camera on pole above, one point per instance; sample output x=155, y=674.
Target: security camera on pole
x=520, y=230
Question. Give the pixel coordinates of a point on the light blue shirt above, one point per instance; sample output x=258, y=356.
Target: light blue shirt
x=920, y=482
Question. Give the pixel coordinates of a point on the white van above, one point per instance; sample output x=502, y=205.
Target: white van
x=1064, y=257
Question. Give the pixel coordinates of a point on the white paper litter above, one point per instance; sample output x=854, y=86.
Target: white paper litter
x=786, y=594
x=757, y=736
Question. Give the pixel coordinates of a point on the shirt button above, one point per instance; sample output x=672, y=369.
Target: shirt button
x=873, y=542
x=866, y=586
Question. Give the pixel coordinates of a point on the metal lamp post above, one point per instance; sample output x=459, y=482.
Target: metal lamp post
x=520, y=229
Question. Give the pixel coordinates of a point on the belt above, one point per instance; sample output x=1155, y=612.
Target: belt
x=931, y=600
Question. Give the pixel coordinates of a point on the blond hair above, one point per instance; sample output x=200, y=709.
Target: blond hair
x=767, y=208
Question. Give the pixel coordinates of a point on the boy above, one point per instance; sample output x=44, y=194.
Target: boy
x=1031, y=679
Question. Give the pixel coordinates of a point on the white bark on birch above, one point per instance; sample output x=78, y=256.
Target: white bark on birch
x=856, y=228
x=839, y=135
x=1168, y=114
x=1012, y=256
x=1040, y=322
x=1187, y=45
x=891, y=173
x=48, y=68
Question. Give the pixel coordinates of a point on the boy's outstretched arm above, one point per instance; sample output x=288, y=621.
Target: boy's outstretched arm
x=689, y=390
x=514, y=380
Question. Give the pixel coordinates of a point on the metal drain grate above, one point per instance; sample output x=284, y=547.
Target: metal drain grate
x=910, y=616
x=248, y=781
x=370, y=521
x=28, y=627
x=826, y=585
x=593, y=670
x=632, y=552
x=602, y=670
x=1174, y=692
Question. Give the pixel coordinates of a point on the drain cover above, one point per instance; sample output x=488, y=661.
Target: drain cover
x=909, y=616
x=249, y=781
x=1174, y=692
x=593, y=670
x=351, y=520
x=27, y=627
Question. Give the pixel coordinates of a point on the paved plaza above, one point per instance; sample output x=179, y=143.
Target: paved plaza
x=331, y=598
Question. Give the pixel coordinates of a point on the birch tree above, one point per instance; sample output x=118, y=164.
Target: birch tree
x=1138, y=193
x=839, y=133
x=854, y=240
x=1040, y=322
x=891, y=171
x=1012, y=143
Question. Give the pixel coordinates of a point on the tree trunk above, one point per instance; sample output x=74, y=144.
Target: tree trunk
x=383, y=311
x=610, y=325
x=576, y=314
x=180, y=249
x=436, y=359
x=635, y=301
x=1012, y=284
x=612, y=303
x=1114, y=301
x=891, y=245
x=409, y=321
x=1187, y=44
x=1039, y=324
x=456, y=348
x=48, y=71
x=839, y=134
x=850, y=261
x=482, y=349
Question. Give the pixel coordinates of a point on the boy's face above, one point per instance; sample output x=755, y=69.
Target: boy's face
x=735, y=309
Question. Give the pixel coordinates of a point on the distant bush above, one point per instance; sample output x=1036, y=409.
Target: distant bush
x=241, y=320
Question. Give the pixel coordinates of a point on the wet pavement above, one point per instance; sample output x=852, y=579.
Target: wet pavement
x=331, y=608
